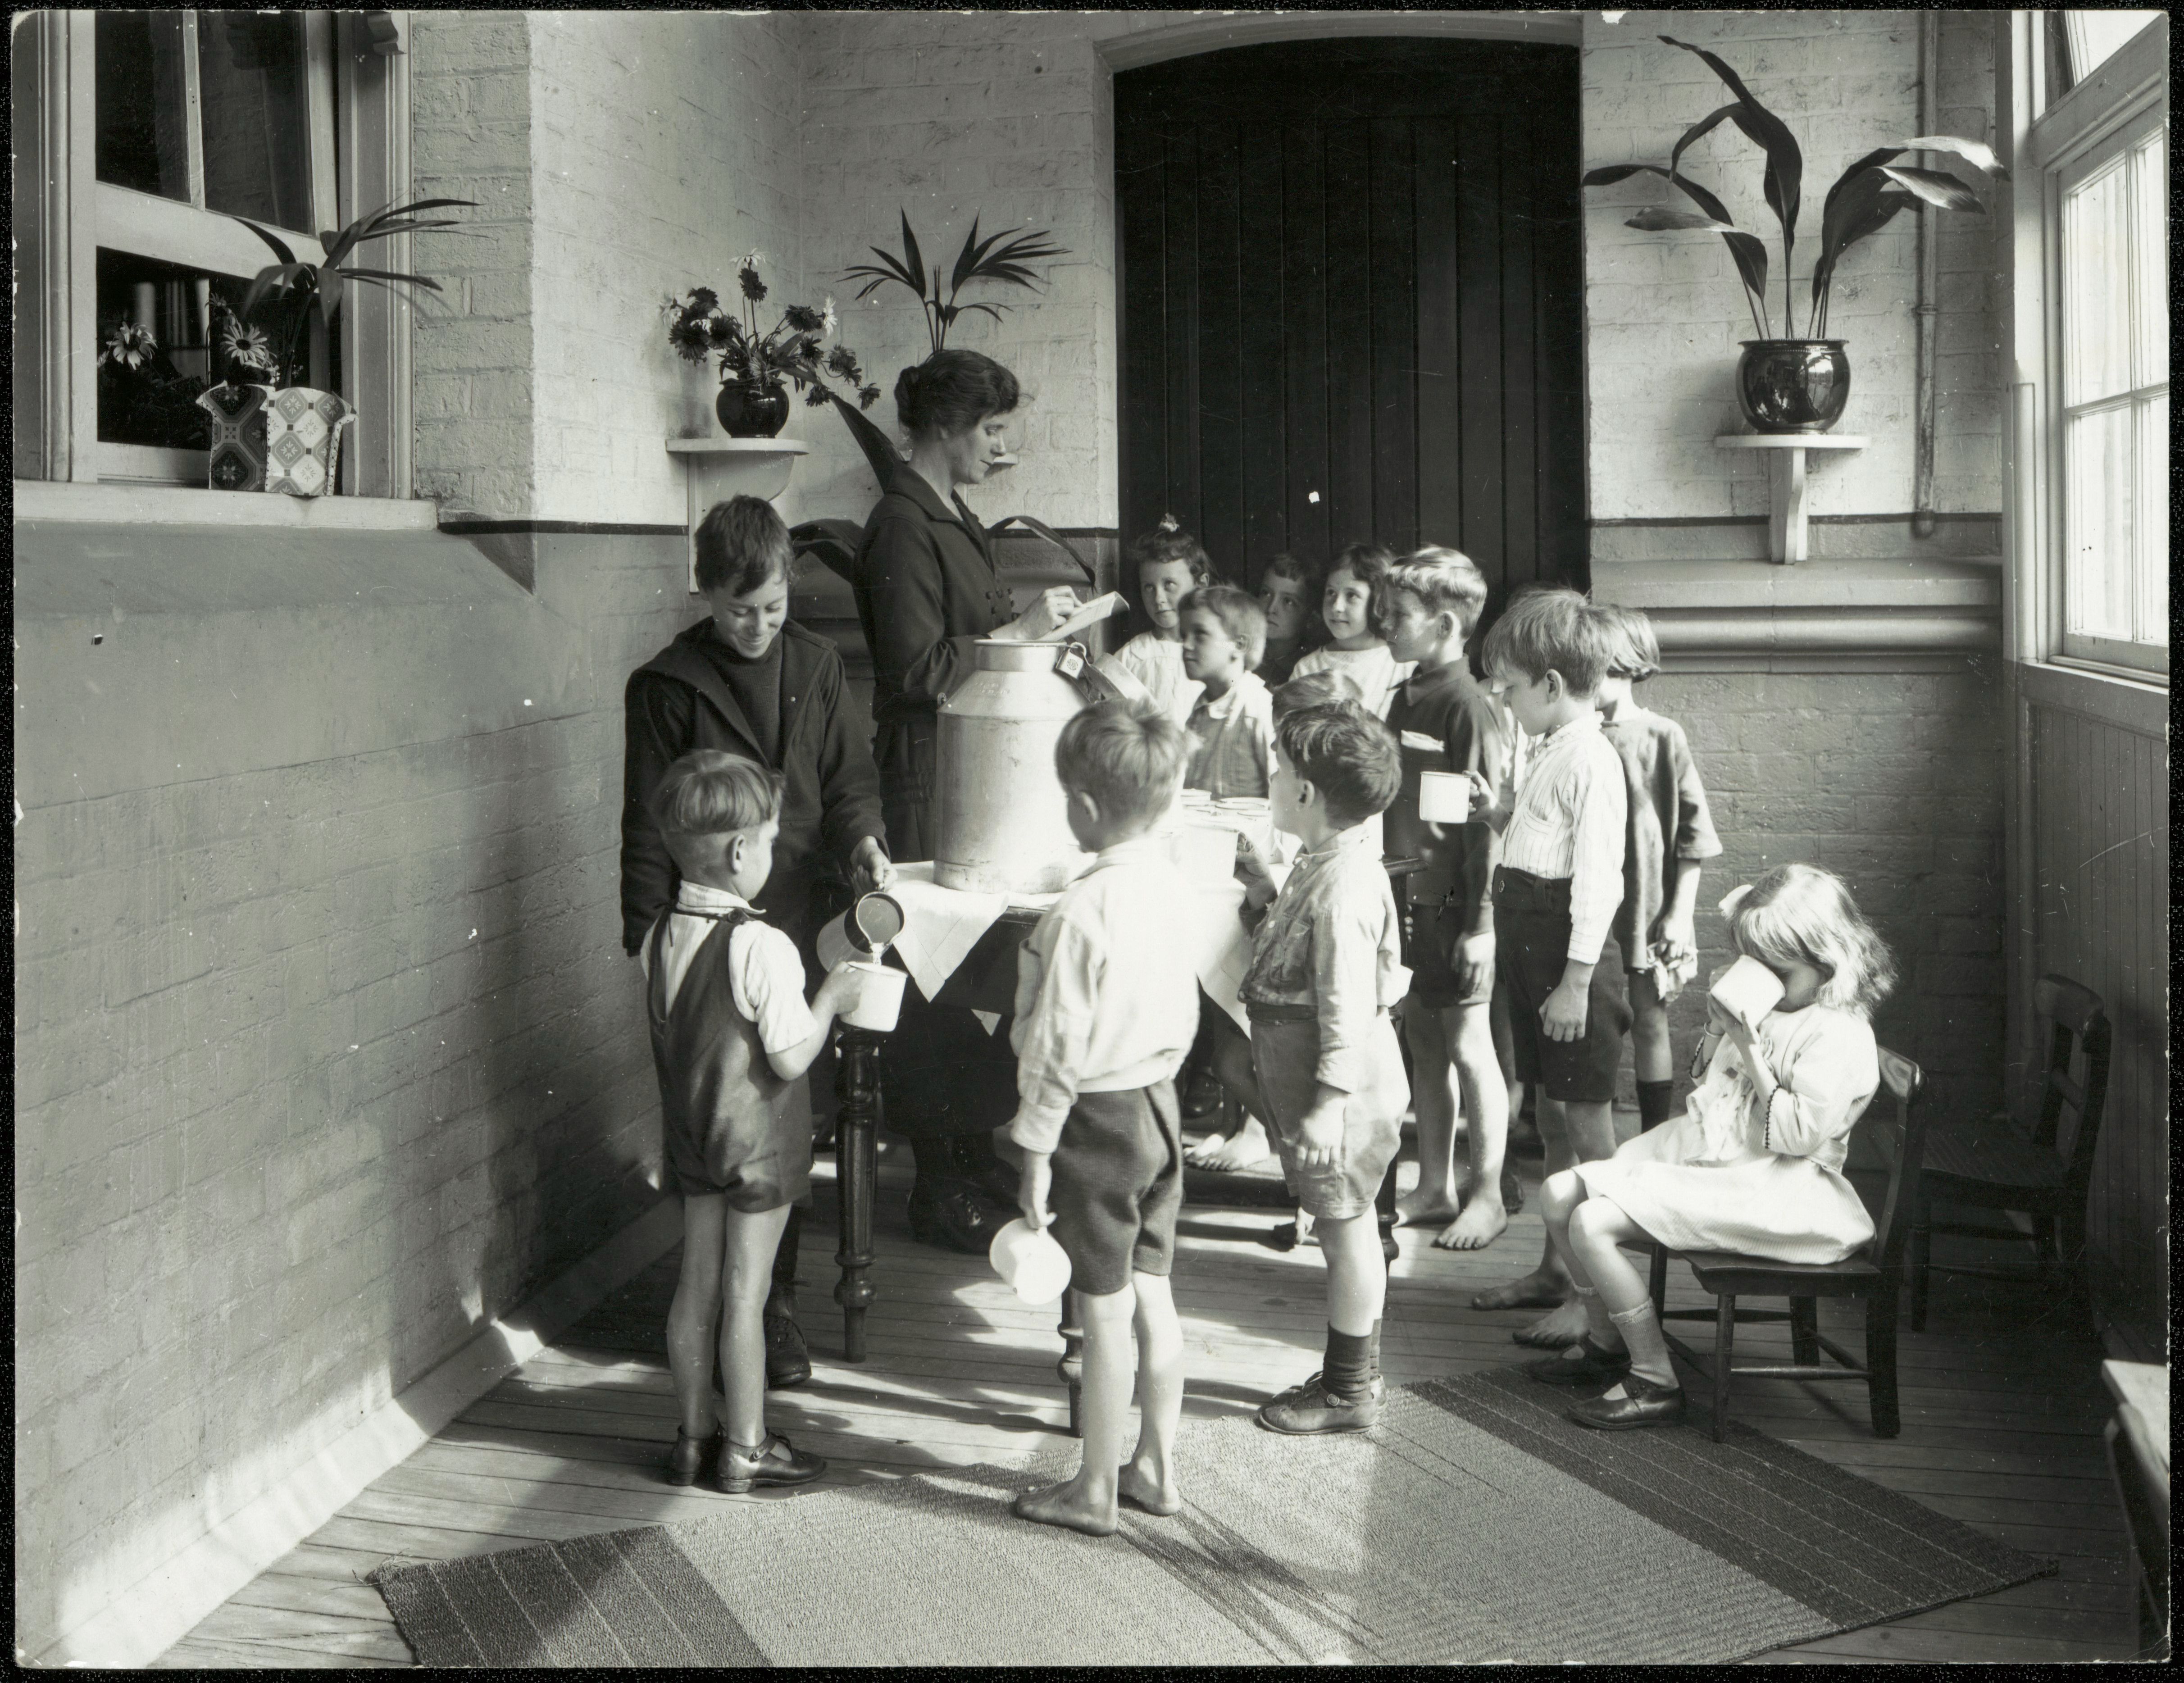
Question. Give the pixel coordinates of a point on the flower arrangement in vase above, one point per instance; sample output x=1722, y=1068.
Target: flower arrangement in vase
x=1789, y=384
x=757, y=369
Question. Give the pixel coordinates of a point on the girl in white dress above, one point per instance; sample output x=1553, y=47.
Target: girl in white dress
x=1350, y=608
x=1754, y=1164
x=1170, y=564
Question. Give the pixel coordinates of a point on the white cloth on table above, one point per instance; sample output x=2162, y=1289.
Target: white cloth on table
x=1724, y=1175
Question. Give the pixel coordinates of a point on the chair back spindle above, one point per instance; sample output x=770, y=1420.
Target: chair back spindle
x=1898, y=1131
x=2078, y=1024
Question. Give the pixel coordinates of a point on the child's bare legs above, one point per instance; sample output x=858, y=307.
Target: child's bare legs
x=1594, y=1231
x=1087, y=1502
x=1590, y=1128
x=1435, y=1103
x=746, y=1247
x=1231, y=1060
x=1470, y=1037
x=693, y=1319
x=1148, y=1477
x=1649, y=1030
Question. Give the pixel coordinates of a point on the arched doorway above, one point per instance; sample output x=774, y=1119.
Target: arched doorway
x=1351, y=286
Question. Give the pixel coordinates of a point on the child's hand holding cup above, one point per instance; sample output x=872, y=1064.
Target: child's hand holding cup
x=1446, y=797
x=1743, y=994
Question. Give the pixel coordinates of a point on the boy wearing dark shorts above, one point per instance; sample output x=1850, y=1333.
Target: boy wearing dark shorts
x=1560, y=878
x=1445, y=722
x=1107, y=1004
x=1325, y=975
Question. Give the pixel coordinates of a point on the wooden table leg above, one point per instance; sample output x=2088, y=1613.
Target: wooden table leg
x=857, y=1085
x=1071, y=1368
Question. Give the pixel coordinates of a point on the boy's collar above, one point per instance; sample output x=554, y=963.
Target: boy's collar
x=701, y=898
x=1588, y=720
x=1358, y=834
x=1228, y=700
x=1144, y=844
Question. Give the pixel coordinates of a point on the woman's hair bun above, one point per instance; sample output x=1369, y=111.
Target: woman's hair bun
x=952, y=391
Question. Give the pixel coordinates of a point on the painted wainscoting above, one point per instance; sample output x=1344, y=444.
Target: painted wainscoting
x=2093, y=830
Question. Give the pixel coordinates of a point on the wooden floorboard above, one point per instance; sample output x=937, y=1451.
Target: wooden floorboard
x=2001, y=1423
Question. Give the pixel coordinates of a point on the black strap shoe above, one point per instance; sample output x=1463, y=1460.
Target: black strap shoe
x=692, y=1458
x=1591, y=1365
x=1643, y=1403
x=772, y=1461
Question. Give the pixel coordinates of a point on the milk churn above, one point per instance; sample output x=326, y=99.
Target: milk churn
x=1002, y=824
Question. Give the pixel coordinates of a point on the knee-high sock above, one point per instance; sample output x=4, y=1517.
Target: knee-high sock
x=1655, y=1099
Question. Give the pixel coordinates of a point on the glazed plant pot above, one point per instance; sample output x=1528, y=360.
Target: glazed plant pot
x=1792, y=385
x=748, y=413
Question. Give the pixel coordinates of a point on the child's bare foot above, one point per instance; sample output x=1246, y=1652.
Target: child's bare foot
x=1557, y=1330
x=1141, y=1487
x=1538, y=1290
x=1480, y=1224
x=1067, y=1506
x=1246, y=1146
x=1425, y=1206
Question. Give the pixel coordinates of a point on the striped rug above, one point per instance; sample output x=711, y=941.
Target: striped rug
x=1475, y=1524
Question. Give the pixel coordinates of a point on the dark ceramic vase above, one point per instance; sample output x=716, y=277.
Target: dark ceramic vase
x=1792, y=385
x=746, y=413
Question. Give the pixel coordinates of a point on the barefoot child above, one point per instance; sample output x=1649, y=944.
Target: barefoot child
x=1350, y=607
x=1754, y=1164
x=1325, y=973
x=1670, y=832
x=1170, y=565
x=1288, y=591
x=1556, y=891
x=1431, y=605
x=731, y=1038
x=1104, y=1002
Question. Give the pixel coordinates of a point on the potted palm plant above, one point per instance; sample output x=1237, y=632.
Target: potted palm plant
x=1786, y=384
x=302, y=442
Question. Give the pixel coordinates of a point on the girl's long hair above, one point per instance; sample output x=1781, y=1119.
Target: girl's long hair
x=1801, y=914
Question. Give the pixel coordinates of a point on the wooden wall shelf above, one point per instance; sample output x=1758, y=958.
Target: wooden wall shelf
x=1786, y=472
x=716, y=469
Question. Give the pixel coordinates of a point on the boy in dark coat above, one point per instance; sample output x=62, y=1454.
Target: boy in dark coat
x=748, y=682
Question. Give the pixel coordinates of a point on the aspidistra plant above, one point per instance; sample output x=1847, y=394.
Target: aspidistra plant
x=1864, y=200
x=989, y=259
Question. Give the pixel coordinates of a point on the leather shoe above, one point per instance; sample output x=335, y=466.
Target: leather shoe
x=788, y=1363
x=773, y=1461
x=1201, y=1094
x=692, y=1457
x=954, y=1216
x=1591, y=1365
x=973, y=1159
x=1310, y=1409
x=1642, y=1404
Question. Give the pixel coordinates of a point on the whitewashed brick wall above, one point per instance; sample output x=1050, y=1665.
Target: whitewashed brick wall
x=1664, y=312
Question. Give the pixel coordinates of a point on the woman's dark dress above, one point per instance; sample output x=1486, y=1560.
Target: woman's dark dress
x=927, y=591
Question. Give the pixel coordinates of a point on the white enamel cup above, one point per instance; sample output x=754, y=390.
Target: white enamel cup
x=1030, y=1262
x=1444, y=797
x=877, y=1002
x=1747, y=990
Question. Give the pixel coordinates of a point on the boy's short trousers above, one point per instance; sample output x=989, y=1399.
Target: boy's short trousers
x=1531, y=947
x=760, y=1160
x=1285, y=1056
x=1429, y=949
x=1118, y=1185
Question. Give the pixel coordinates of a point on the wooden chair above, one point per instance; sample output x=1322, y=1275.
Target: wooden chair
x=1875, y=1274
x=1998, y=1166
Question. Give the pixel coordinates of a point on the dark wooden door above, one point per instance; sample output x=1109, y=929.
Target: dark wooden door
x=1351, y=277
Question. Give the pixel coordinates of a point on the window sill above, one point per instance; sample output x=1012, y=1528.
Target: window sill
x=47, y=501
x=2130, y=701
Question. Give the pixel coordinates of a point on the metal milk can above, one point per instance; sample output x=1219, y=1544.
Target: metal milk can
x=1002, y=824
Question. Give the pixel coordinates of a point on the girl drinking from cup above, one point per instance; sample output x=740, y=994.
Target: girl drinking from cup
x=1754, y=1164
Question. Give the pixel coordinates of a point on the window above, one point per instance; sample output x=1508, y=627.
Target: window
x=139, y=136
x=2094, y=182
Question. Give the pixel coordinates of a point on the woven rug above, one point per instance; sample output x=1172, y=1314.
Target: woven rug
x=1475, y=1524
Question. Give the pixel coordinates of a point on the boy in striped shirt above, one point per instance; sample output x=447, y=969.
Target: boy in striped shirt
x=1556, y=891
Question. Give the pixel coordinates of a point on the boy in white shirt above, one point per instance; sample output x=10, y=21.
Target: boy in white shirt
x=1106, y=1001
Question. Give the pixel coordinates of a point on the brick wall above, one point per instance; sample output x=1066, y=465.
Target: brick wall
x=1664, y=312
x=325, y=1049
x=1893, y=781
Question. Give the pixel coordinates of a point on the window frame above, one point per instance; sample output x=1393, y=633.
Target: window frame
x=67, y=214
x=2106, y=112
